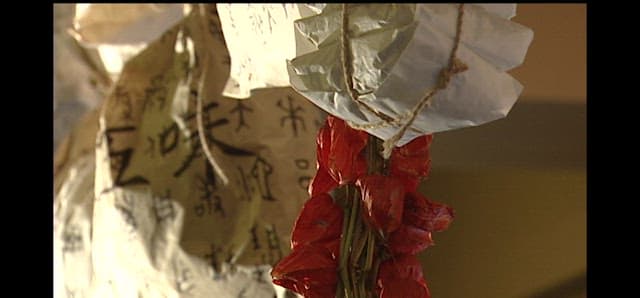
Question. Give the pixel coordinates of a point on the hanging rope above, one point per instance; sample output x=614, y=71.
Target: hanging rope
x=454, y=66
x=347, y=69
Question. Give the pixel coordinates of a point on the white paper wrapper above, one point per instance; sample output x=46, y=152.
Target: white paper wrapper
x=143, y=214
x=124, y=24
x=79, y=80
x=260, y=38
x=120, y=31
x=399, y=51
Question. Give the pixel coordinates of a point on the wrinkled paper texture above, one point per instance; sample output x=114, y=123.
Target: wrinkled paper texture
x=145, y=215
x=120, y=31
x=79, y=80
x=398, y=52
x=110, y=23
x=401, y=60
x=260, y=38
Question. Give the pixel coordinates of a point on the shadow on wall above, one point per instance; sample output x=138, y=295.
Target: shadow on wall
x=518, y=187
x=571, y=288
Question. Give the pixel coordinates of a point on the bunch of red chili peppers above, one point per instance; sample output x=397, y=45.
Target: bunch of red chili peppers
x=359, y=234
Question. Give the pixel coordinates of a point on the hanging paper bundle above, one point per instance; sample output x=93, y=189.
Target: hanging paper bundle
x=396, y=73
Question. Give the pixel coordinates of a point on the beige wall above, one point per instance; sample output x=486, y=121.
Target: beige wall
x=555, y=66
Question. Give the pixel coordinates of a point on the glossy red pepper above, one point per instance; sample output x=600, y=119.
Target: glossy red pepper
x=323, y=144
x=412, y=161
x=310, y=270
x=413, y=158
x=401, y=277
x=390, y=205
x=322, y=182
x=382, y=201
x=421, y=217
x=319, y=222
x=344, y=155
x=426, y=214
x=408, y=239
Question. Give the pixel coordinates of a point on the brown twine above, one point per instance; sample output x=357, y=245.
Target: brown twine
x=347, y=69
x=455, y=66
x=382, y=123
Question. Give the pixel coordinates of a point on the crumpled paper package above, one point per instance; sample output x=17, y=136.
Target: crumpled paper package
x=146, y=214
x=79, y=80
x=260, y=40
x=110, y=23
x=399, y=51
x=120, y=31
x=262, y=37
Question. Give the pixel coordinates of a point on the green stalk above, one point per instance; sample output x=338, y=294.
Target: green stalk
x=344, y=254
x=360, y=240
x=371, y=245
x=355, y=212
x=340, y=290
x=373, y=277
x=358, y=264
x=362, y=288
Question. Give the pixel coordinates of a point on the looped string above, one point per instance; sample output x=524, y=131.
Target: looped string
x=347, y=70
x=454, y=66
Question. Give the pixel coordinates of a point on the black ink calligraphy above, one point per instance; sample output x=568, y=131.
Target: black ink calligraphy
x=215, y=255
x=214, y=23
x=127, y=215
x=261, y=171
x=194, y=139
x=273, y=243
x=71, y=239
x=155, y=93
x=209, y=200
x=254, y=237
x=168, y=139
x=122, y=97
x=292, y=115
x=304, y=180
x=240, y=109
x=248, y=190
x=258, y=275
x=120, y=159
x=163, y=207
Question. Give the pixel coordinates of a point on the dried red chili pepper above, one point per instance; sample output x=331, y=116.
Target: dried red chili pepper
x=389, y=205
x=310, y=270
x=345, y=158
x=413, y=158
x=319, y=222
x=420, y=217
x=323, y=143
x=426, y=214
x=409, y=239
x=412, y=161
x=400, y=277
x=322, y=182
x=382, y=201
